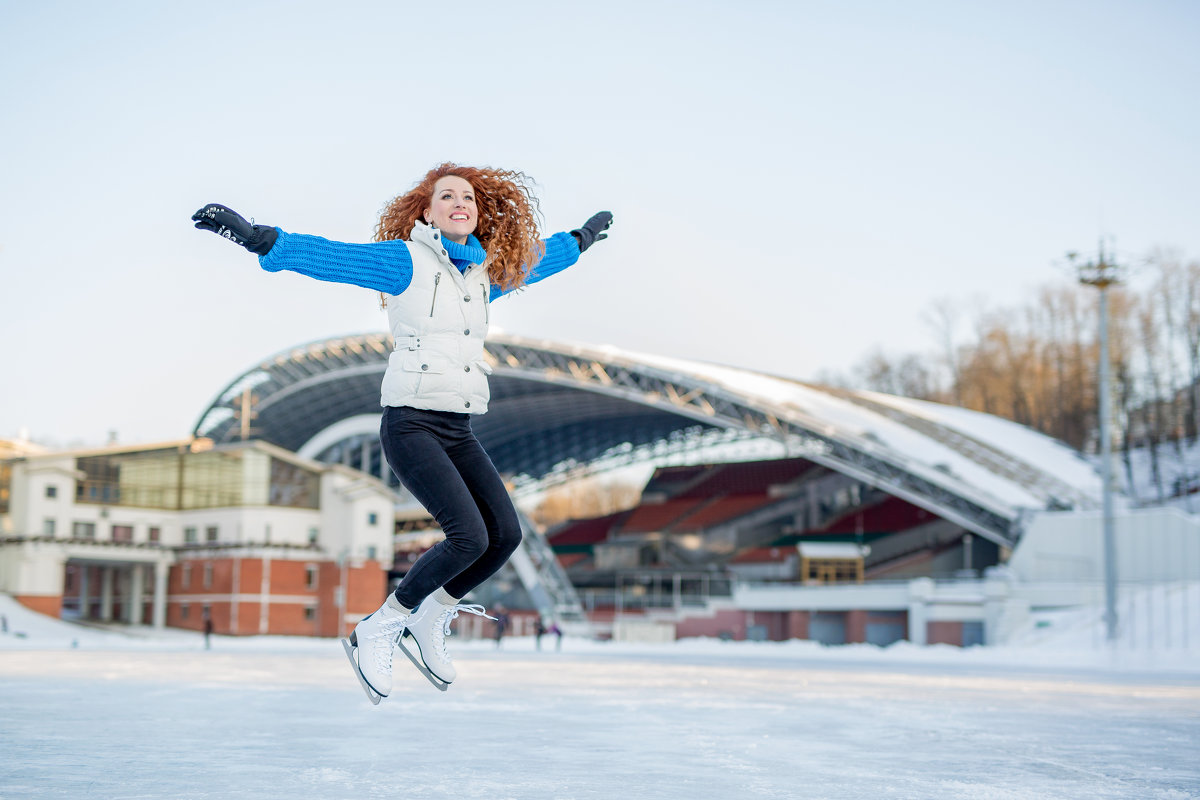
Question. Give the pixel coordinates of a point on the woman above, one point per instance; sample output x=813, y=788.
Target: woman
x=461, y=238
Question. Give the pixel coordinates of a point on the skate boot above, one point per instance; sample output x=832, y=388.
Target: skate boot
x=373, y=638
x=428, y=628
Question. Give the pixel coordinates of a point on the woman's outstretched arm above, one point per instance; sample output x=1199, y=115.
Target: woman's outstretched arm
x=382, y=266
x=563, y=250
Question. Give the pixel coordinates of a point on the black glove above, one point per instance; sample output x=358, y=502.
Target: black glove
x=222, y=221
x=592, y=230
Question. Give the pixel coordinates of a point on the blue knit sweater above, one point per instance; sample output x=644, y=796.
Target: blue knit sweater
x=387, y=266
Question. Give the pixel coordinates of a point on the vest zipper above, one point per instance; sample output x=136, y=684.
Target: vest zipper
x=483, y=294
x=436, y=280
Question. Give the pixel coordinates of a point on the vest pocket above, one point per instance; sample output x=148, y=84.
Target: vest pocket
x=424, y=362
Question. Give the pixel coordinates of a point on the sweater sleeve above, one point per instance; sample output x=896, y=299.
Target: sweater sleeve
x=562, y=250
x=383, y=266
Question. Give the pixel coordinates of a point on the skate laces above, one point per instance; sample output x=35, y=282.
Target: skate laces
x=390, y=628
x=441, y=628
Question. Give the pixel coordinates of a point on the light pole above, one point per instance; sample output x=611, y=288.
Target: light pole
x=1102, y=273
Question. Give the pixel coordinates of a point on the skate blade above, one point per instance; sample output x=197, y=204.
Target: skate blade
x=372, y=695
x=437, y=682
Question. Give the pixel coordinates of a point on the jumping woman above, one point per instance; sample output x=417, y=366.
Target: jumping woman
x=461, y=238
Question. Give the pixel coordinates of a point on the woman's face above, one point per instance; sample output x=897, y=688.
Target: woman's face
x=452, y=208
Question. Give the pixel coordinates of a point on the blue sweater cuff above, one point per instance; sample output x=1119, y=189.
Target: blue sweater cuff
x=382, y=266
x=562, y=250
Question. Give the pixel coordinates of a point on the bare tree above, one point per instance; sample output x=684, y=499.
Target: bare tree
x=1037, y=363
x=1065, y=333
x=1152, y=351
x=1178, y=288
x=943, y=319
x=1122, y=350
x=588, y=497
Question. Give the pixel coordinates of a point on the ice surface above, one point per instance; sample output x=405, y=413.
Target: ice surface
x=100, y=714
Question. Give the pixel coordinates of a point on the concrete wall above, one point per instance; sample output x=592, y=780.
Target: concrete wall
x=31, y=568
x=349, y=502
x=29, y=506
x=274, y=525
x=1160, y=544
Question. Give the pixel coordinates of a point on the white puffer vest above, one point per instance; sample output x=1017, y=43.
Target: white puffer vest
x=439, y=323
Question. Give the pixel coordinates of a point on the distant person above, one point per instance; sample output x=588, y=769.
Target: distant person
x=501, y=624
x=3, y=623
x=208, y=629
x=539, y=630
x=460, y=239
x=557, y=631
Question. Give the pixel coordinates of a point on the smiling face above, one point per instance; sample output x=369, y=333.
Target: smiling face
x=452, y=208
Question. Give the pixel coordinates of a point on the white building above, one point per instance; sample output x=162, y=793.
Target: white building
x=248, y=535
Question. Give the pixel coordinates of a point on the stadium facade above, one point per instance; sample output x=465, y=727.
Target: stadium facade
x=291, y=446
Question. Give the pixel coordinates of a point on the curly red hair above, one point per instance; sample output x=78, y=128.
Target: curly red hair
x=508, y=214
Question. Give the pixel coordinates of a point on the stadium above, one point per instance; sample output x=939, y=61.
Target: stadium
x=776, y=509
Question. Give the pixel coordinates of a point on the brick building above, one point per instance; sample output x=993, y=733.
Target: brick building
x=247, y=534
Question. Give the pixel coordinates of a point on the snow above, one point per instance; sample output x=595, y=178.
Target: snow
x=1178, y=467
x=139, y=713
x=1053, y=456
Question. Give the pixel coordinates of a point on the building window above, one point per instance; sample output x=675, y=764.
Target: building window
x=183, y=611
x=208, y=572
x=372, y=518
x=207, y=611
x=155, y=534
x=310, y=577
x=187, y=576
x=51, y=492
x=83, y=530
x=48, y=526
x=189, y=535
x=310, y=613
x=313, y=534
x=267, y=533
x=122, y=533
x=372, y=552
x=210, y=533
x=293, y=486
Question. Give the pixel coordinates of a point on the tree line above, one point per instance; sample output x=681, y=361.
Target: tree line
x=1038, y=363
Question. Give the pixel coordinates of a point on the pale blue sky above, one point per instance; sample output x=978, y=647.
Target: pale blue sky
x=793, y=182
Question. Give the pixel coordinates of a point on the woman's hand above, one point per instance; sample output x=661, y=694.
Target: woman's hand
x=226, y=222
x=593, y=230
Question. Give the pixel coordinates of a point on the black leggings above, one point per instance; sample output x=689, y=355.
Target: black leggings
x=437, y=458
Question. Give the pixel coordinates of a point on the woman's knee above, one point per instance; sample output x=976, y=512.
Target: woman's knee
x=470, y=541
x=508, y=536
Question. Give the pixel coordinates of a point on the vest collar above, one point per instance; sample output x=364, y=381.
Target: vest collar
x=472, y=252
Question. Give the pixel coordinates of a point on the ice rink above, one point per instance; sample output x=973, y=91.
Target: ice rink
x=161, y=717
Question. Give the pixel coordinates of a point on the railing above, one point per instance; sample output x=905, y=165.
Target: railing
x=640, y=591
x=1152, y=616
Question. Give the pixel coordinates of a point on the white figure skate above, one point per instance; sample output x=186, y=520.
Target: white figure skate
x=369, y=648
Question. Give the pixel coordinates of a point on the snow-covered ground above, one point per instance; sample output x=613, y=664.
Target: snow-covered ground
x=1178, y=469
x=145, y=714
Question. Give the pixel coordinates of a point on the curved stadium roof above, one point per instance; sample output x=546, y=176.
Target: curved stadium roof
x=556, y=405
